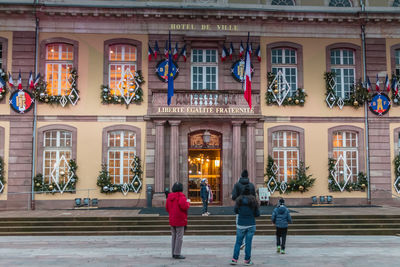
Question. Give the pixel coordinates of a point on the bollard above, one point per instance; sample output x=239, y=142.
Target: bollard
x=149, y=195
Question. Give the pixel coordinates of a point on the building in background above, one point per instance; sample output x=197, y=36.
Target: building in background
x=102, y=100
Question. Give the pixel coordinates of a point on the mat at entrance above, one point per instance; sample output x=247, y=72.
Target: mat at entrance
x=264, y=210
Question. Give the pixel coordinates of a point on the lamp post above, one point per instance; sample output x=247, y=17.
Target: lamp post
x=206, y=137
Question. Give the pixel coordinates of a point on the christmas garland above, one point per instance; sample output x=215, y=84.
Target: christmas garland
x=396, y=162
x=358, y=95
x=106, y=186
x=40, y=91
x=3, y=91
x=112, y=98
x=360, y=185
x=395, y=95
x=297, y=99
x=2, y=180
x=40, y=186
x=301, y=183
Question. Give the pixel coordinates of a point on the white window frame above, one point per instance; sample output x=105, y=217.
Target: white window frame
x=121, y=149
x=343, y=151
x=286, y=66
x=341, y=90
x=60, y=62
x=58, y=149
x=204, y=66
x=123, y=63
x=285, y=149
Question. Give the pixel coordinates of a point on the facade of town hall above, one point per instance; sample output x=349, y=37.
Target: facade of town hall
x=85, y=86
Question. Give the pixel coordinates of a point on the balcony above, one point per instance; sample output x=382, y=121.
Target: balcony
x=204, y=102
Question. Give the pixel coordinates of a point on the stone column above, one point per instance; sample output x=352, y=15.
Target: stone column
x=236, y=151
x=159, y=158
x=174, y=153
x=251, y=150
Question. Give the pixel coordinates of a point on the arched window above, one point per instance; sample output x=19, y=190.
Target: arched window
x=59, y=62
x=282, y=2
x=57, y=151
x=340, y=3
x=396, y=3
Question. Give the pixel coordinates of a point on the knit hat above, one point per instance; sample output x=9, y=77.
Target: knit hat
x=203, y=180
x=245, y=174
x=281, y=201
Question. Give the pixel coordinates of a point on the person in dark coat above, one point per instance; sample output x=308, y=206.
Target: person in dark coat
x=247, y=209
x=204, y=195
x=177, y=207
x=281, y=218
x=238, y=188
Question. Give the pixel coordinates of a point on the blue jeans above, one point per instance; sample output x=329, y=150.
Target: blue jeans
x=205, y=205
x=246, y=234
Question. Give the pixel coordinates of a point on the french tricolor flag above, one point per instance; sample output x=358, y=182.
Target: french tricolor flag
x=247, y=76
x=19, y=83
x=156, y=50
x=387, y=84
x=183, y=52
x=31, y=83
x=224, y=53
x=231, y=50
x=241, y=49
x=377, y=87
x=258, y=53
x=395, y=86
x=10, y=80
x=36, y=80
x=175, y=54
x=369, y=86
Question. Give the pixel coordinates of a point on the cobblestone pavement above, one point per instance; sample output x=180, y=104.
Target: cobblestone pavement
x=200, y=251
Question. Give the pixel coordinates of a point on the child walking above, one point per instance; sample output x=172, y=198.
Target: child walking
x=247, y=209
x=281, y=218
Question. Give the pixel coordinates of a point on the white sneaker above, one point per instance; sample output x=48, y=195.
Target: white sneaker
x=204, y=214
x=208, y=213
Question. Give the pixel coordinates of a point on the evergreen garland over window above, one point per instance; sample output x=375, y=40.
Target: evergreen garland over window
x=396, y=3
x=340, y=3
x=283, y=2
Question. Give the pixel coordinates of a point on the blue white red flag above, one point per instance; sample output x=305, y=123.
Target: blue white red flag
x=258, y=53
x=247, y=76
x=231, y=51
x=170, y=73
x=250, y=49
x=10, y=80
x=150, y=53
x=36, y=80
x=224, y=53
x=369, y=86
x=395, y=86
x=241, y=49
x=30, y=81
x=19, y=83
x=166, y=49
x=175, y=54
x=377, y=87
x=387, y=84
x=183, y=52
x=156, y=50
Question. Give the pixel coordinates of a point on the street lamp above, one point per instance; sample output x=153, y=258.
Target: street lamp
x=206, y=137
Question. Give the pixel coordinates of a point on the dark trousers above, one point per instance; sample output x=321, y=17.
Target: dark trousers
x=281, y=237
x=205, y=205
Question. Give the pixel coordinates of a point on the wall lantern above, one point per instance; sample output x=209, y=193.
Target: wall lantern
x=206, y=137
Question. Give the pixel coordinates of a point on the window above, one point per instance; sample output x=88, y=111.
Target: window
x=283, y=2
x=285, y=151
x=343, y=65
x=3, y=53
x=57, y=147
x=285, y=60
x=59, y=62
x=340, y=3
x=204, y=69
x=397, y=60
x=121, y=152
x=122, y=65
x=396, y=3
x=345, y=144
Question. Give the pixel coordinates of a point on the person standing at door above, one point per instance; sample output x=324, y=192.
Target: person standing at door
x=177, y=207
x=281, y=218
x=204, y=194
x=247, y=209
x=238, y=188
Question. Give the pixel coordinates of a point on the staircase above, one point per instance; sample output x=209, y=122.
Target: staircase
x=198, y=225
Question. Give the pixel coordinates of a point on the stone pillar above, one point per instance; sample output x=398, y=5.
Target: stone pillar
x=251, y=150
x=236, y=151
x=159, y=158
x=174, y=153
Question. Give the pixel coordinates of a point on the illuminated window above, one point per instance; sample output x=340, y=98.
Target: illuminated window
x=285, y=60
x=59, y=62
x=340, y=3
x=204, y=69
x=397, y=60
x=285, y=150
x=283, y=2
x=121, y=152
x=343, y=65
x=122, y=66
x=345, y=144
x=56, y=145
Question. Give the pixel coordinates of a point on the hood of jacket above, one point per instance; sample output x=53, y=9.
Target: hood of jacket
x=244, y=180
x=174, y=196
x=281, y=209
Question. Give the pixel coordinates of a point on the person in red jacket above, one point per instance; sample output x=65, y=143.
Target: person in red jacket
x=177, y=207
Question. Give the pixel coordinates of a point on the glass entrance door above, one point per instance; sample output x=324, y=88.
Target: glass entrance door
x=204, y=161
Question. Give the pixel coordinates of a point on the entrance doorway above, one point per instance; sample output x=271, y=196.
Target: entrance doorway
x=204, y=161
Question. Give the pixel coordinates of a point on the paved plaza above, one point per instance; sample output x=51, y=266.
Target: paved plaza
x=200, y=251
